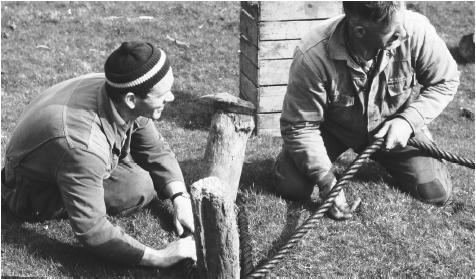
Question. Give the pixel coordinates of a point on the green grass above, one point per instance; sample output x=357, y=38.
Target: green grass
x=390, y=235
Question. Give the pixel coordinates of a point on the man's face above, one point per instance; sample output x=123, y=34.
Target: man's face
x=389, y=36
x=153, y=104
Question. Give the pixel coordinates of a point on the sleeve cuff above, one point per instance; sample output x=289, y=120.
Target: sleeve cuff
x=414, y=118
x=324, y=179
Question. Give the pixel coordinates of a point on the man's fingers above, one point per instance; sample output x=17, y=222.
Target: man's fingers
x=178, y=227
x=336, y=213
x=190, y=227
x=383, y=131
x=344, y=211
x=355, y=204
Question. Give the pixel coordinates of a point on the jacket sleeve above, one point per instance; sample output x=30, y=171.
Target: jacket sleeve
x=80, y=179
x=303, y=112
x=436, y=71
x=152, y=153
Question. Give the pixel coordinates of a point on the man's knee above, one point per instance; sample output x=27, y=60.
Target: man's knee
x=128, y=189
x=434, y=192
x=289, y=183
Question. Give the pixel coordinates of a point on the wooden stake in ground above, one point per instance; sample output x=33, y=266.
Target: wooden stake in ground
x=213, y=197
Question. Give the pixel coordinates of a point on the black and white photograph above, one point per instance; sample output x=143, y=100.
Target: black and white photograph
x=237, y=139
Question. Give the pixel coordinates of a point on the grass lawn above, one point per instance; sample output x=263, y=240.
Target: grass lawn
x=391, y=234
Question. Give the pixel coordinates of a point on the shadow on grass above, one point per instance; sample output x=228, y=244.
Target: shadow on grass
x=188, y=112
x=73, y=260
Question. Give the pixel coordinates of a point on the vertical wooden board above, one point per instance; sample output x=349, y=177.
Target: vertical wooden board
x=286, y=30
x=248, y=91
x=249, y=27
x=274, y=72
x=249, y=50
x=277, y=49
x=251, y=7
x=249, y=69
x=271, y=98
x=298, y=10
x=268, y=124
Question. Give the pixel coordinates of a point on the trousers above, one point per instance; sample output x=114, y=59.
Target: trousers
x=415, y=173
x=128, y=189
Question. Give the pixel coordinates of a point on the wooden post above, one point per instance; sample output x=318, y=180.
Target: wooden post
x=216, y=232
x=232, y=124
x=213, y=197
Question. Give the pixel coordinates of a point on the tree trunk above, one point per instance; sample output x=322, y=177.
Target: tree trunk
x=216, y=231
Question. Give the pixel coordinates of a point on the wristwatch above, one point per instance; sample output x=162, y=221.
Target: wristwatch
x=183, y=194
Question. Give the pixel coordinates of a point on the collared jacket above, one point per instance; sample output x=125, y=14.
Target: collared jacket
x=68, y=140
x=327, y=90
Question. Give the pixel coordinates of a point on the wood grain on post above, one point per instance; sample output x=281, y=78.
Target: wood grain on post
x=216, y=232
x=232, y=124
x=213, y=197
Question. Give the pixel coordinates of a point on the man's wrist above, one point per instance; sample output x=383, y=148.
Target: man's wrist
x=173, y=188
x=179, y=194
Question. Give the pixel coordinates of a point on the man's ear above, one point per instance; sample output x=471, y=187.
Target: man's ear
x=358, y=31
x=130, y=100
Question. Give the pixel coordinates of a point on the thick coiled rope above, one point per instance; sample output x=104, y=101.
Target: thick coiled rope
x=435, y=152
x=246, y=250
x=312, y=221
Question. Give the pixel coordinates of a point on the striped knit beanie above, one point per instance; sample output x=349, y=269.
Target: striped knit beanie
x=135, y=67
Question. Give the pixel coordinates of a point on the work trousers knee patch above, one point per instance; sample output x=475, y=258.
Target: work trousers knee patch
x=433, y=192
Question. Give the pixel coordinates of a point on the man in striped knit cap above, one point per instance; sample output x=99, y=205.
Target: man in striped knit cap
x=88, y=147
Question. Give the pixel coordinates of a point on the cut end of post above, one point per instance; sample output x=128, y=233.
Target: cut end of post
x=229, y=103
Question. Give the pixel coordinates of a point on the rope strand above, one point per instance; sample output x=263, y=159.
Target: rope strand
x=437, y=153
x=311, y=222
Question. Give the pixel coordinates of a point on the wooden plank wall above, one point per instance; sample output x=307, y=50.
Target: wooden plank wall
x=269, y=33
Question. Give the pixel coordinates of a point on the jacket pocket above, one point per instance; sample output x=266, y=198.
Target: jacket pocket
x=342, y=100
x=400, y=85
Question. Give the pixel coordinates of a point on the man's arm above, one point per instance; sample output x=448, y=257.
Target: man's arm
x=80, y=177
x=153, y=154
x=303, y=112
x=436, y=71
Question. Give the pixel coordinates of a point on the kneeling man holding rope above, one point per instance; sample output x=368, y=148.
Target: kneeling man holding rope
x=351, y=82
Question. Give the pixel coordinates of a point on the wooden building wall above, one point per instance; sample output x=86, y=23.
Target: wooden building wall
x=269, y=33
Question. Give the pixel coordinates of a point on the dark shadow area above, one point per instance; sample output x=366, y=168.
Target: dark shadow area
x=257, y=176
x=457, y=57
x=162, y=210
x=188, y=112
x=370, y=171
x=72, y=260
x=192, y=170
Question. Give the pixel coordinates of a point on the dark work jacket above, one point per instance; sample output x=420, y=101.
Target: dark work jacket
x=68, y=140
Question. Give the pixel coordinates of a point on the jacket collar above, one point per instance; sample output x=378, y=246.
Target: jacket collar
x=112, y=123
x=336, y=46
